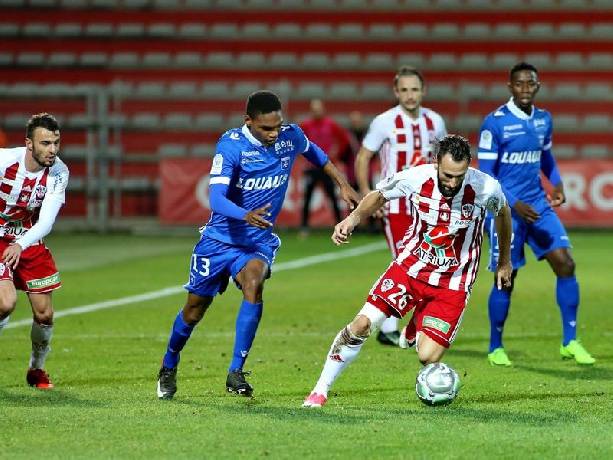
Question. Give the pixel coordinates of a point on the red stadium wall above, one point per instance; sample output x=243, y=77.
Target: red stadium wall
x=184, y=195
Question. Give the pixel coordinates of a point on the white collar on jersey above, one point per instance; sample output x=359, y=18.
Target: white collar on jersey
x=249, y=136
x=420, y=115
x=519, y=113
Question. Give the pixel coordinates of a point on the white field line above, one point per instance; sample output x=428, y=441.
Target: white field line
x=291, y=265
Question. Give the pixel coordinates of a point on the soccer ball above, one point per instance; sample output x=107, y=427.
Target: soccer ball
x=437, y=384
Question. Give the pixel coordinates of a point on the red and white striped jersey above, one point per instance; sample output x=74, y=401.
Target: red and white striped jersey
x=22, y=192
x=403, y=142
x=443, y=241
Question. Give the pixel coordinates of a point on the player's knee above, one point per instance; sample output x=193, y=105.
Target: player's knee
x=44, y=317
x=194, y=311
x=7, y=305
x=567, y=267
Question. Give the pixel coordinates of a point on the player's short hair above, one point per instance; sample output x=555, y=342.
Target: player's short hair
x=262, y=102
x=408, y=71
x=522, y=66
x=41, y=120
x=457, y=146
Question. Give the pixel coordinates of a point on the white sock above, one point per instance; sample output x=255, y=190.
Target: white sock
x=4, y=322
x=41, y=336
x=390, y=324
x=344, y=350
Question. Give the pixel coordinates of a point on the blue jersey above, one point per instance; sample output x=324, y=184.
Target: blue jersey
x=514, y=147
x=255, y=175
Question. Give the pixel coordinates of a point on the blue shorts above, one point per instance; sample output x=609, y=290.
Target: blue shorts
x=213, y=262
x=543, y=236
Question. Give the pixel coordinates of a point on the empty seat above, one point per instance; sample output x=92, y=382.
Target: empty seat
x=209, y=122
x=597, y=122
x=93, y=59
x=571, y=30
x=442, y=61
x=156, y=59
x=565, y=91
x=183, y=89
x=413, y=30
x=442, y=91
x=188, y=59
x=508, y=30
x=121, y=88
x=287, y=30
x=376, y=91
x=202, y=150
x=256, y=30
x=310, y=90
x=107, y=4
x=600, y=61
x=6, y=59
x=315, y=60
x=172, y=150
x=378, y=61
x=61, y=59
x=145, y=121
x=223, y=30
x=215, y=90
x=166, y=4
x=411, y=59
x=124, y=60
x=504, y=61
x=235, y=120
x=9, y=30
x=241, y=90
x=499, y=92
x=250, y=60
x=74, y=4
x=161, y=29
x=36, y=29
x=342, y=90
x=12, y=3
x=471, y=91
x=198, y=4
x=178, y=121
x=351, y=31
x=130, y=30
x=540, y=60
x=219, y=59
x=319, y=31
x=282, y=60
x=445, y=31
x=79, y=121
x=347, y=61
x=566, y=122
x=564, y=151
x=598, y=91
x=192, y=30
x=382, y=31
x=595, y=151
x=601, y=31
x=467, y=123
x=570, y=61
x=540, y=31
x=149, y=89
x=473, y=61
x=67, y=29
x=477, y=31
x=97, y=29
x=30, y=59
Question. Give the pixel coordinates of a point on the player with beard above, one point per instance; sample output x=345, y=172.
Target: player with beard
x=32, y=191
x=434, y=273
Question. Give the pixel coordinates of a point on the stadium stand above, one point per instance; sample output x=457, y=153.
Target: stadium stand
x=175, y=73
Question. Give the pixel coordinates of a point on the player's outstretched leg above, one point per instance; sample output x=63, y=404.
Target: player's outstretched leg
x=167, y=376
x=41, y=337
x=498, y=308
x=344, y=350
x=567, y=296
x=388, y=334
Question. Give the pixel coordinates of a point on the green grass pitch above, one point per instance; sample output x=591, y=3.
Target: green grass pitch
x=104, y=365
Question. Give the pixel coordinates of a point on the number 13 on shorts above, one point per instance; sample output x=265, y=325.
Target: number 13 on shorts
x=200, y=265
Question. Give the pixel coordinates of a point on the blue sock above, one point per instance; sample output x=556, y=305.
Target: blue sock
x=178, y=338
x=498, y=306
x=567, y=296
x=246, y=326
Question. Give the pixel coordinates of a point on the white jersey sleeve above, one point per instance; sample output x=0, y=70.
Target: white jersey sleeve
x=397, y=186
x=493, y=196
x=57, y=182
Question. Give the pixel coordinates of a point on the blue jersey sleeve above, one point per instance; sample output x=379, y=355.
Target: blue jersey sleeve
x=316, y=155
x=548, y=162
x=221, y=204
x=488, y=153
x=222, y=170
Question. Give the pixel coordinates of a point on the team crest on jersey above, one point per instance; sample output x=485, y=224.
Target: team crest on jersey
x=217, y=164
x=467, y=210
x=285, y=162
x=437, y=248
x=386, y=285
x=39, y=192
x=485, y=141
